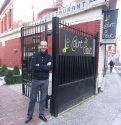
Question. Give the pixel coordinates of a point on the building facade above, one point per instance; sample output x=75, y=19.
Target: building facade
x=87, y=15
x=13, y=14
x=90, y=20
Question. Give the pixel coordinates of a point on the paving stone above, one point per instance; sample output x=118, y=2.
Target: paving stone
x=13, y=108
x=119, y=115
x=117, y=121
x=103, y=108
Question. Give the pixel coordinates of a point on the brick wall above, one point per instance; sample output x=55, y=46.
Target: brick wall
x=91, y=27
x=8, y=54
x=50, y=44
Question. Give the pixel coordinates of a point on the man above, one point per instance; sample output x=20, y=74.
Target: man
x=111, y=65
x=41, y=65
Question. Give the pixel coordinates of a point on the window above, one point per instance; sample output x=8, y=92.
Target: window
x=109, y=48
x=10, y=19
x=5, y=22
x=1, y=26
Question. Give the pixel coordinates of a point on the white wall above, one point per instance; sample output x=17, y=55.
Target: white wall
x=12, y=34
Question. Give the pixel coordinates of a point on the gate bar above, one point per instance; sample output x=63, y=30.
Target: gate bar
x=96, y=60
x=22, y=47
x=55, y=76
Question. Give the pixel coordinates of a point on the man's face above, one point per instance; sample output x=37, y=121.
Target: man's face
x=43, y=46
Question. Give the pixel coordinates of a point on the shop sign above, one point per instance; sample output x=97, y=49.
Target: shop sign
x=76, y=45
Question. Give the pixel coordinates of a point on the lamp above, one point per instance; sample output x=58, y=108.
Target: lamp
x=15, y=50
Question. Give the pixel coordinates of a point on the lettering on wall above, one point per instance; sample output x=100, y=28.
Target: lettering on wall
x=81, y=6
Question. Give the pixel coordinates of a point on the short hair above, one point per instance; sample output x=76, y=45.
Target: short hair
x=43, y=41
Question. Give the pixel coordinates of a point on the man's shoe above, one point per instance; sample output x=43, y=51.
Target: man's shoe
x=28, y=119
x=43, y=118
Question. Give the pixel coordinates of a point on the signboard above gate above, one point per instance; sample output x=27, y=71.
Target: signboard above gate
x=76, y=8
x=76, y=45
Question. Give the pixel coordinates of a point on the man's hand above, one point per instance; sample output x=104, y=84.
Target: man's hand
x=49, y=63
x=37, y=64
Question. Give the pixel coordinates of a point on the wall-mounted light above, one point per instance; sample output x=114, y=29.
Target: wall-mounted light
x=15, y=50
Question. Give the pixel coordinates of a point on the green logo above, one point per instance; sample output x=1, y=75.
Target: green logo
x=107, y=18
x=85, y=45
x=76, y=45
x=72, y=45
x=64, y=50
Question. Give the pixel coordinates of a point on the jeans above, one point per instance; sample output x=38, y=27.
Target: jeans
x=111, y=68
x=36, y=85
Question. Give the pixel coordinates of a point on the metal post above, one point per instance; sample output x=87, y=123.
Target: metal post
x=46, y=31
x=22, y=50
x=96, y=60
x=55, y=74
x=46, y=38
x=104, y=62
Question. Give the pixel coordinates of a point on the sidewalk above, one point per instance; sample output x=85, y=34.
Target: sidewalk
x=101, y=109
x=13, y=107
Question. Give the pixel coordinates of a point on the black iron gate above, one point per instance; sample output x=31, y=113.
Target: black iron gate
x=75, y=62
x=74, y=71
x=31, y=35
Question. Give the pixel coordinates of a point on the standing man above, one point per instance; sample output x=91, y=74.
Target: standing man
x=111, y=65
x=41, y=65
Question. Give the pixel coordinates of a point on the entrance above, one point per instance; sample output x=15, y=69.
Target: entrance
x=74, y=54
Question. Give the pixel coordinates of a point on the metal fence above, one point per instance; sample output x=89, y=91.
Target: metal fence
x=31, y=35
x=74, y=54
x=74, y=71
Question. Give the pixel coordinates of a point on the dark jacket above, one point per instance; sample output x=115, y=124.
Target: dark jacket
x=111, y=63
x=41, y=72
